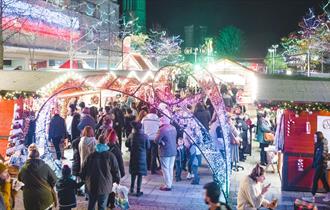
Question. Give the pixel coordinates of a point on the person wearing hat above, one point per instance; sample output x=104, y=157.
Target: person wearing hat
x=39, y=181
x=138, y=145
x=86, y=120
x=5, y=187
x=66, y=188
x=166, y=139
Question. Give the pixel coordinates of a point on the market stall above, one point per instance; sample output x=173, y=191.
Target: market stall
x=302, y=109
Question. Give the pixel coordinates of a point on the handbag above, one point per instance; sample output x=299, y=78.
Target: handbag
x=45, y=184
x=269, y=137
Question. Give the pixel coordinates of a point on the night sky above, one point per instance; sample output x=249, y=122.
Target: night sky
x=264, y=22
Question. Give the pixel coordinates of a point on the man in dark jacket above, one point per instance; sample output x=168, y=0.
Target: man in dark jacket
x=166, y=139
x=99, y=172
x=86, y=120
x=57, y=133
x=118, y=121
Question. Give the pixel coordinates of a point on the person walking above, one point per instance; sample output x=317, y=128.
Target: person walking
x=262, y=128
x=86, y=120
x=150, y=125
x=118, y=121
x=39, y=180
x=99, y=173
x=57, y=133
x=138, y=145
x=86, y=145
x=66, y=188
x=320, y=159
x=75, y=132
x=166, y=139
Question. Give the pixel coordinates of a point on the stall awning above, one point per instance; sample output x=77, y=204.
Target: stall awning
x=34, y=80
x=297, y=90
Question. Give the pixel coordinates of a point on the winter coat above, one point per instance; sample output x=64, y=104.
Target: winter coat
x=86, y=120
x=76, y=157
x=6, y=192
x=86, y=147
x=30, y=136
x=138, y=144
x=150, y=125
x=100, y=171
x=35, y=195
x=166, y=139
x=75, y=132
x=2, y=202
x=204, y=117
x=195, y=157
x=263, y=127
x=128, y=120
x=118, y=122
x=320, y=154
x=180, y=155
x=114, y=148
x=57, y=127
x=66, y=188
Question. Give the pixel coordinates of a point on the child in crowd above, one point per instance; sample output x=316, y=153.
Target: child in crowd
x=66, y=188
x=194, y=161
x=180, y=157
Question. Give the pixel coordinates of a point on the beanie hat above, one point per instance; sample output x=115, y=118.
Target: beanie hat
x=3, y=167
x=66, y=171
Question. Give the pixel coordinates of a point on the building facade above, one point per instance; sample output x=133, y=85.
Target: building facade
x=46, y=33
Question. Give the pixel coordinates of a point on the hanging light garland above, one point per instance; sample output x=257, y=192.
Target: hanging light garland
x=297, y=107
x=9, y=95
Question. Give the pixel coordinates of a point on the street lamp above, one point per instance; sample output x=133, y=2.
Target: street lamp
x=272, y=52
x=274, y=46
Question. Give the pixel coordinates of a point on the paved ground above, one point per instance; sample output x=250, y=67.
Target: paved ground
x=185, y=196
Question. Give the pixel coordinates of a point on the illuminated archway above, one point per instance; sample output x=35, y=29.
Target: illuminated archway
x=154, y=91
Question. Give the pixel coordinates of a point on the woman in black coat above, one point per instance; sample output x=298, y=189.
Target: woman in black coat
x=202, y=115
x=76, y=157
x=138, y=145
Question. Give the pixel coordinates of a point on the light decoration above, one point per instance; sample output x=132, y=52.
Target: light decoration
x=27, y=10
x=50, y=23
x=52, y=86
x=157, y=93
x=159, y=47
x=9, y=95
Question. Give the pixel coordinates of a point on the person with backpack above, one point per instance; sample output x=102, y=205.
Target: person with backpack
x=320, y=164
x=99, y=173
